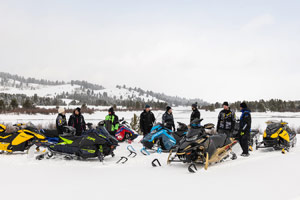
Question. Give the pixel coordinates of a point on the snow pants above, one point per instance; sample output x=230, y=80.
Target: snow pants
x=244, y=143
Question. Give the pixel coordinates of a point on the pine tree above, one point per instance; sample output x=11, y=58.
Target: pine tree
x=28, y=104
x=14, y=104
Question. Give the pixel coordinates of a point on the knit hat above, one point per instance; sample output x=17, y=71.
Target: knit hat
x=78, y=109
x=147, y=106
x=195, y=105
x=243, y=105
x=61, y=110
x=225, y=103
x=168, y=108
x=111, y=110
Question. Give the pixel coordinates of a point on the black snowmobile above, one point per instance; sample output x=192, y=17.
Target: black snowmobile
x=200, y=148
x=279, y=136
x=95, y=143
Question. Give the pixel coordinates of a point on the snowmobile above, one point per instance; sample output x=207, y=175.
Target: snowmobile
x=279, y=136
x=125, y=133
x=182, y=130
x=95, y=143
x=160, y=138
x=198, y=147
x=25, y=136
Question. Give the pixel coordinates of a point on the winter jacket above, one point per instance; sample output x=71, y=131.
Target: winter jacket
x=195, y=115
x=168, y=121
x=226, y=120
x=61, y=121
x=112, y=123
x=146, y=121
x=245, y=122
x=77, y=121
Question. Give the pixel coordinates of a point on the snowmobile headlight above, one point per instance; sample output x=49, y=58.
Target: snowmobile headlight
x=192, y=138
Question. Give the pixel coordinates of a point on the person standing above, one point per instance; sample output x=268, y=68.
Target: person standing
x=61, y=121
x=112, y=122
x=168, y=119
x=244, y=130
x=196, y=113
x=226, y=121
x=147, y=120
x=76, y=120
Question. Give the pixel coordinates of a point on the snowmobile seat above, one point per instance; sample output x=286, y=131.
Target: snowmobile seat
x=219, y=140
x=49, y=133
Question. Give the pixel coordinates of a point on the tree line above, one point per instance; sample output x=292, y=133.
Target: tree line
x=273, y=105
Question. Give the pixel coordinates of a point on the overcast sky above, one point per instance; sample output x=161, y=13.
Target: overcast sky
x=215, y=50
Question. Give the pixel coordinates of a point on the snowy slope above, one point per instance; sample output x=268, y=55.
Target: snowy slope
x=53, y=90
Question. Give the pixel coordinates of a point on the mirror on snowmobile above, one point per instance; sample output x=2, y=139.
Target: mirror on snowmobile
x=101, y=123
x=122, y=119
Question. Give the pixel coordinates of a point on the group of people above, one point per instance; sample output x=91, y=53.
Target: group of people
x=77, y=121
x=226, y=122
x=225, y=125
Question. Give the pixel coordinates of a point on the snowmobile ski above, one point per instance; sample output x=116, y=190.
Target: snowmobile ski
x=132, y=151
x=192, y=168
x=155, y=161
x=145, y=152
x=122, y=160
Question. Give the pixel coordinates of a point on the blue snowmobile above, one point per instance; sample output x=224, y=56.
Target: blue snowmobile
x=160, y=138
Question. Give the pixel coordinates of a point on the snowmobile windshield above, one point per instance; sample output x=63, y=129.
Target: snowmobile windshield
x=157, y=127
x=193, y=134
x=273, y=128
x=103, y=131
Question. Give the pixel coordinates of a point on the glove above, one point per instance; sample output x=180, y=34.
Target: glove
x=242, y=133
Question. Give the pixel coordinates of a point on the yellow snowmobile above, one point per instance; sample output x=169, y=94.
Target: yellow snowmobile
x=25, y=136
x=279, y=136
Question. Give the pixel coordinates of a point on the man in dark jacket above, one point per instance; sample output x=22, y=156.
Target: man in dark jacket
x=195, y=114
x=61, y=121
x=112, y=122
x=147, y=120
x=226, y=120
x=168, y=119
x=245, y=128
x=77, y=121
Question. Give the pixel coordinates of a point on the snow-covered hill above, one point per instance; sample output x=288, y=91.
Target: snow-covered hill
x=16, y=87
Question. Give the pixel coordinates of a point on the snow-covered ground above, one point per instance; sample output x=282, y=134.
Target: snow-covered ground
x=266, y=174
